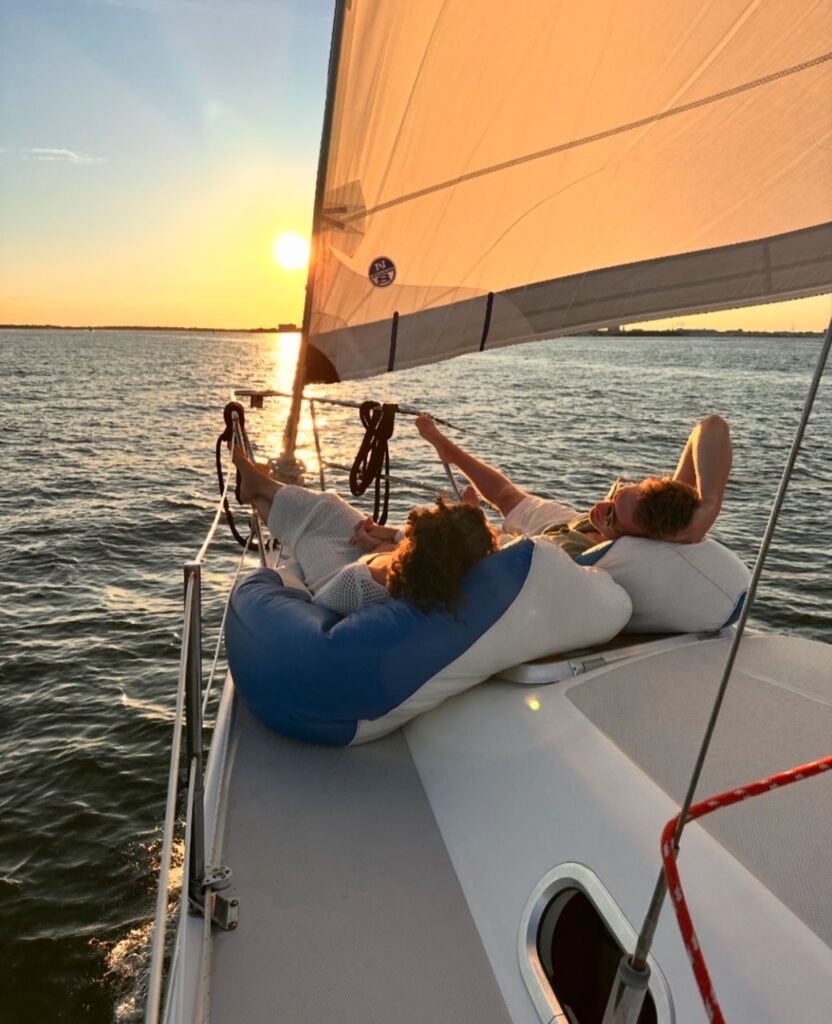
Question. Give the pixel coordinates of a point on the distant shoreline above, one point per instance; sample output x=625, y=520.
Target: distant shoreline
x=280, y=329
x=680, y=332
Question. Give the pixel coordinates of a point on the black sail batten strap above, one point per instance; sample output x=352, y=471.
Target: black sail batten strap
x=373, y=458
x=394, y=333
x=486, y=327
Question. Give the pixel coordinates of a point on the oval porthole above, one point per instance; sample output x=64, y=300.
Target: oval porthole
x=572, y=936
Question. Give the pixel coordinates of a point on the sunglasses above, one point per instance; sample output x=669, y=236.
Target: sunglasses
x=610, y=521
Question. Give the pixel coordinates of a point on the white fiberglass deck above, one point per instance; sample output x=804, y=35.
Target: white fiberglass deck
x=387, y=882
x=522, y=779
x=349, y=907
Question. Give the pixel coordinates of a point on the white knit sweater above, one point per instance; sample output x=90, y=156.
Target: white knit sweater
x=351, y=588
x=316, y=528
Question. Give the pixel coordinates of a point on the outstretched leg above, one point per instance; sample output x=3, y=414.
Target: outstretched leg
x=256, y=488
x=493, y=485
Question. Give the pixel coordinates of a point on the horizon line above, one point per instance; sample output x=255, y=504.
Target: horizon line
x=287, y=328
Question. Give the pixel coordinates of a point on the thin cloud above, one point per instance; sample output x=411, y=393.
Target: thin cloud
x=62, y=156
x=157, y=6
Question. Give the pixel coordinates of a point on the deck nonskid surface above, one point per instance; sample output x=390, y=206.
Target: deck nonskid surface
x=777, y=714
x=350, y=909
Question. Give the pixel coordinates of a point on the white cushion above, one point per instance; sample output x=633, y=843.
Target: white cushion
x=684, y=588
x=560, y=607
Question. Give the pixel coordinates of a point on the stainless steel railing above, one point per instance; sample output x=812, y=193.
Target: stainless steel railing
x=200, y=880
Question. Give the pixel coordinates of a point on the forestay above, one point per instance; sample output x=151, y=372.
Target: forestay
x=501, y=173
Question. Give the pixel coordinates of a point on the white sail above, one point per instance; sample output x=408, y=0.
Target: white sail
x=499, y=173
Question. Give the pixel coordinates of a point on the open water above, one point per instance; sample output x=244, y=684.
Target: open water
x=108, y=487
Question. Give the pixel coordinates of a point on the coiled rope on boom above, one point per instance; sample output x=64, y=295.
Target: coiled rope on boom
x=373, y=456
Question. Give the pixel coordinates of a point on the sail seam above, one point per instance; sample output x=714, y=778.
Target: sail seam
x=588, y=139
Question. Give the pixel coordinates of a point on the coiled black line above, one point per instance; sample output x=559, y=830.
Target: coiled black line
x=373, y=456
x=227, y=437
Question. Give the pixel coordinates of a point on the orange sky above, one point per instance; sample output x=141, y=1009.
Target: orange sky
x=149, y=185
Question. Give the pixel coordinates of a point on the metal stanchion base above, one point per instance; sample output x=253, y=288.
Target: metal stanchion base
x=628, y=992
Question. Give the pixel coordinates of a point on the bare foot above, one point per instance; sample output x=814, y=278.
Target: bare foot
x=248, y=473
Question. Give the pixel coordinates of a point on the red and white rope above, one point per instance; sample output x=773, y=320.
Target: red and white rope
x=671, y=872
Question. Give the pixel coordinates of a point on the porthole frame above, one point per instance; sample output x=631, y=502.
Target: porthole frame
x=578, y=876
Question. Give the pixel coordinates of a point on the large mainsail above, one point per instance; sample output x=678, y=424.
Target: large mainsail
x=498, y=173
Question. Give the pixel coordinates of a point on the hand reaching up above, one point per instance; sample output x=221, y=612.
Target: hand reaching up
x=433, y=435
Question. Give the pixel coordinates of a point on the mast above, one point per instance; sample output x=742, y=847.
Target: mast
x=287, y=462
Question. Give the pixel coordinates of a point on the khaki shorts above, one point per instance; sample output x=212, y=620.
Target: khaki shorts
x=533, y=515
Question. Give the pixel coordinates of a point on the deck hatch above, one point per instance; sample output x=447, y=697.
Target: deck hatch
x=572, y=936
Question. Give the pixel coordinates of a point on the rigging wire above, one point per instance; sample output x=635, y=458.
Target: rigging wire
x=395, y=478
x=401, y=410
x=639, y=958
x=671, y=871
x=231, y=410
x=235, y=434
x=221, y=506
x=317, y=438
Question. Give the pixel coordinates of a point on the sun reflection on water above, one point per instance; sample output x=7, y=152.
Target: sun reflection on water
x=281, y=376
x=286, y=347
x=272, y=419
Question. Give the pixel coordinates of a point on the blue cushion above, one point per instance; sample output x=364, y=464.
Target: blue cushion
x=309, y=674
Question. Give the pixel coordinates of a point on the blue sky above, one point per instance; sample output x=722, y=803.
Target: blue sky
x=128, y=125
x=152, y=150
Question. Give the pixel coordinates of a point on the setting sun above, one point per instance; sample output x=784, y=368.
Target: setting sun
x=291, y=251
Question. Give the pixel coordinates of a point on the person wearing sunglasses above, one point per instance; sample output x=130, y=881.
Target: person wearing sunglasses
x=679, y=508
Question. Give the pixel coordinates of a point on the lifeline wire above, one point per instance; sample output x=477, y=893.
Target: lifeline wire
x=210, y=682
x=213, y=528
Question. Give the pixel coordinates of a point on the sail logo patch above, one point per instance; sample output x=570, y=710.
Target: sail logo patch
x=382, y=272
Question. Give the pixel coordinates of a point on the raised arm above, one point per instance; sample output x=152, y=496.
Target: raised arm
x=705, y=465
x=494, y=486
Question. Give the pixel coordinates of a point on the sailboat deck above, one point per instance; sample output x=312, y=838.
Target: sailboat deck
x=386, y=882
x=350, y=909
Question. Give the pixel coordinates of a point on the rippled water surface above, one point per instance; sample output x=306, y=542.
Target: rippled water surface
x=109, y=486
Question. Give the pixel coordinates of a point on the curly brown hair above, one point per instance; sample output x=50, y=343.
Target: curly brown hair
x=665, y=506
x=441, y=544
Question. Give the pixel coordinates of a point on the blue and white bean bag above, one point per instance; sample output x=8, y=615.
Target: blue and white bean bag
x=309, y=674
x=675, y=588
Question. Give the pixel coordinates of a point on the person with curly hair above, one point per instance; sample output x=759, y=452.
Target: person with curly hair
x=349, y=562
x=440, y=546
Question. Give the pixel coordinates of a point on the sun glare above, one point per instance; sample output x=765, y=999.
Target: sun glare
x=290, y=251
